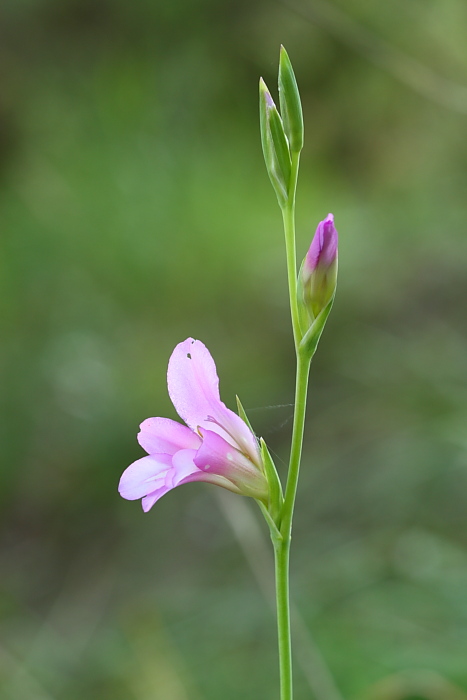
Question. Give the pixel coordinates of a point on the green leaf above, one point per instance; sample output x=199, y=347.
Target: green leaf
x=290, y=103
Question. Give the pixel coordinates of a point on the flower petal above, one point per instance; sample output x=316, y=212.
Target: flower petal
x=193, y=382
x=144, y=476
x=149, y=500
x=182, y=470
x=194, y=389
x=186, y=471
x=323, y=248
x=165, y=436
x=183, y=466
x=217, y=456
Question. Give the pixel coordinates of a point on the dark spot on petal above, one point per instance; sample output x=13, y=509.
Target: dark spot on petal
x=188, y=355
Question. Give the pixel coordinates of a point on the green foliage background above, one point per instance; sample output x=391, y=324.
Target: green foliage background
x=136, y=211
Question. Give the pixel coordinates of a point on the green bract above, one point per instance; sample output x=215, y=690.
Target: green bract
x=311, y=338
x=275, y=146
x=276, y=499
x=291, y=107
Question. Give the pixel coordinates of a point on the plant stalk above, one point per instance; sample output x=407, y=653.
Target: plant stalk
x=282, y=545
x=288, y=217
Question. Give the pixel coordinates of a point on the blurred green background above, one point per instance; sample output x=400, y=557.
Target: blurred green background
x=135, y=211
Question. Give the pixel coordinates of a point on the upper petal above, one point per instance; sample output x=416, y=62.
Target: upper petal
x=194, y=389
x=193, y=382
x=165, y=436
x=144, y=476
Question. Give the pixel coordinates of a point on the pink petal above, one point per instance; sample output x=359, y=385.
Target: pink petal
x=165, y=436
x=217, y=456
x=185, y=471
x=194, y=389
x=323, y=248
x=144, y=476
x=149, y=500
x=182, y=471
x=193, y=382
x=183, y=467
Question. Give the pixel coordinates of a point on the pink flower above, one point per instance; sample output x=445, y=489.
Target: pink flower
x=217, y=446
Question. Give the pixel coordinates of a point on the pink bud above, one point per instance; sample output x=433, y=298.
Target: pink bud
x=323, y=248
x=318, y=275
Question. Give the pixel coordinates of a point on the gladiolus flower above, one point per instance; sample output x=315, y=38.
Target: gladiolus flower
x=215, y=445
x=318, y=276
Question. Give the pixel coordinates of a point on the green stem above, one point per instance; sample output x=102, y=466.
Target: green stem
x=301, y=390
x=282, y=544
x=288, y=216
x=281, y=557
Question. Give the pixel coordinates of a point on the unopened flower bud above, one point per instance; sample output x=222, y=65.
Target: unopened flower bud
x=275, y=146
x=318, y=275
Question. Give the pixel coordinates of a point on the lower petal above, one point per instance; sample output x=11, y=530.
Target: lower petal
x=183, y=467
x=149, y=500
x=217, y=456
x=185, y=471
x=182, y=470
x=144, y=476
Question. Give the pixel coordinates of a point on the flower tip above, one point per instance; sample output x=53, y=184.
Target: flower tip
x=147, y=503
x=263, y=88
x=323, y=248
x=330, y=235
